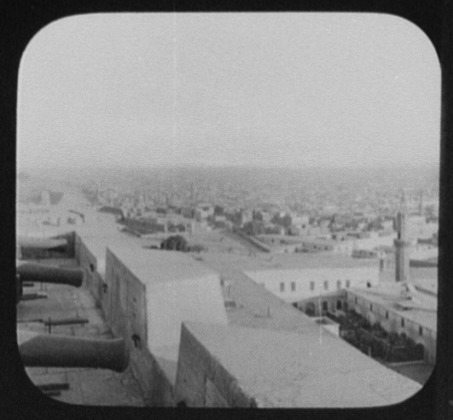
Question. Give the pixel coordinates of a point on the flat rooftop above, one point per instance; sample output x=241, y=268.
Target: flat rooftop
x=100, y=231
x=310, y=369
x=255, y=306
x=423, y=308
x=423, y=277
x=159, y=266
x=300, y=260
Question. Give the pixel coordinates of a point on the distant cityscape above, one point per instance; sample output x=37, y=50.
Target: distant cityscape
x=347, y=198
x=351, y=251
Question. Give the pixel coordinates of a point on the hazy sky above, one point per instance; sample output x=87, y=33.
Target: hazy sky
x=256, y=89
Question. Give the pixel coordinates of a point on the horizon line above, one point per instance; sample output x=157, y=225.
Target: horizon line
x=228, y=166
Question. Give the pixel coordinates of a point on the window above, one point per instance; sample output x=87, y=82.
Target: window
x=338, y=284
x=356, y=300
x=312, y=285
x=293, y=286
x=420, y=331
x=386, y=314
x=282, y=287
x=371, y=307
x=402, y=322
x=348, y=284
x=326, y=285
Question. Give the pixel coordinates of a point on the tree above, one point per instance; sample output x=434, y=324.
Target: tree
x=253, y=228
x=175, y=243
x=257, y=216
x=218, y=210
x=284, y=221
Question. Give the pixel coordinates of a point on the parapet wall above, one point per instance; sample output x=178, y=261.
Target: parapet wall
x=88, y=262
x=126, y=298
x=125, y=310
x=148, y=311
x=156, y=387
x=201, y=381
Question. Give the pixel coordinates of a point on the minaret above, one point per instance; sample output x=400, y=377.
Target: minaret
x=402, y=244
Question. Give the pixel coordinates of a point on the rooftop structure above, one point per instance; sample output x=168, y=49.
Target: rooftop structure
x=423, y=278
x=254, y=262
x=153, y=292
x=303, y=371
x=160, y=266
x=400, y=308
x=417, y=307
x=293, y=285
x=101, y=231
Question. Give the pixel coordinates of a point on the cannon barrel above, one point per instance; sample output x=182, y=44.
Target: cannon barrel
x=49, y=274
x=41, y=243
x=34, y=246
x=42, y=350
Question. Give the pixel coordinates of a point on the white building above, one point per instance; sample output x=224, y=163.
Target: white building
x=418, y=228
x=415, y=315
x=374, y=241
x=327, y=245
x=294, y=285
x=203, y=211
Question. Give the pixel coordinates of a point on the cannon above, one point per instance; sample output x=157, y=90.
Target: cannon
x=40, y=243
x=44, y=350
x=33, y=247
x=34, y=272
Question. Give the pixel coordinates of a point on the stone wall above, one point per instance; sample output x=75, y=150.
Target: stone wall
x=88, y=262
x=201, y=381
x=155, y=386
x=127, y=316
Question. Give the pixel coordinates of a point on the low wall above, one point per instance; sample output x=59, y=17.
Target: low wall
x=253, y=241
x=157, y=389
x=93, y=280
x=201, y=381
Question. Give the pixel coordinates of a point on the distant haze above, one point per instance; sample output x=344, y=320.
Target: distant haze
x=266, y=90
